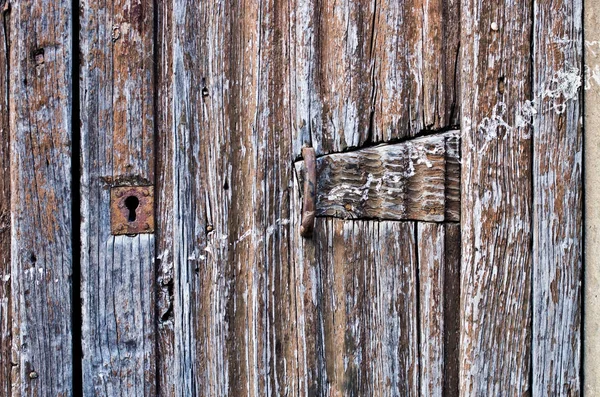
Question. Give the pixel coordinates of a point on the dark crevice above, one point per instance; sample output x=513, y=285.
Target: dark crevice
x=583, y=212
x=168, y=314
x=532, y=202
x=5, y=217
x=76, y=320
x=418, y=304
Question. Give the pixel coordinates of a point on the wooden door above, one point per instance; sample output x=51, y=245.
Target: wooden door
x=152, y=193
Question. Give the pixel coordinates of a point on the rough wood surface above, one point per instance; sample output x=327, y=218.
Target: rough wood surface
x=117, y=141
x=372, y=71
x=432, y=267
x=452, y=250
x=557, y=183
x=5, y=275
x=415, y=180
x=495, y=346
x=40, y=165
x=357, y=313
x=223, y=231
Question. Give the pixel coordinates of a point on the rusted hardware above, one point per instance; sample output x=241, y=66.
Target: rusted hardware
x=310, y=191
x=132, y=210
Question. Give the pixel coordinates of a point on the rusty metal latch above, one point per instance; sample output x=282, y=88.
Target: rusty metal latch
x=131, y=210
x=310, y=191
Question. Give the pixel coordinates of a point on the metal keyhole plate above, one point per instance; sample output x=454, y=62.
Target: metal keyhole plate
x=132, y=210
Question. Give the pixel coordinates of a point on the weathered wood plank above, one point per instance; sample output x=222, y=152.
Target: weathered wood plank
x=372, y=72
x=165, y=381
x=40, y=165
x=393, y=182
x=117, y=142
x=357, y=309
x=223, y=238
x=452, y=271
x=557, y=183
x=430, y=249
x=416, y=56
x=495, y=345
x=439, y=303
x=5, y=274
x=334, y=87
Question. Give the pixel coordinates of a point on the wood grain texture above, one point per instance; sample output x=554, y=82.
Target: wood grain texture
x=357, y=313
x=372, y=71
x=117, y=141
x=415, y=180
x=415, y=67
x=452, y=275
x=5, y=274
x=438, y=253
x=495, y=346
x=225, y=164
x=40, y=165
x=558, y=206
x=430, y=251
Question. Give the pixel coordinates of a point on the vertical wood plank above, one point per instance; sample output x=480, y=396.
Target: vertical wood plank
x=439, y=305
x=225, y=163
x=415, y=54
x=357, y=309
x=5, y=274
x=495, y=346
x=452, y=249
x=117, y=141
x=557, y=184
x=165, y=382
x=431, y=247
x=41, y=247
x=373, y=71
x=334, y=90
x=441, y=37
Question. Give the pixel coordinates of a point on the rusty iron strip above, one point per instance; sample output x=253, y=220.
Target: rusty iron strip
x=310, y=190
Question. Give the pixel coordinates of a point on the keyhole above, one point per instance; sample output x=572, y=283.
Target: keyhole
x=132, y=203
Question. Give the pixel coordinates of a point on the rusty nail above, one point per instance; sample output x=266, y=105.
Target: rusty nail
x=119, y=193
x=33, y=375
x=146, y=226
x=209, y=228
x=146, y=193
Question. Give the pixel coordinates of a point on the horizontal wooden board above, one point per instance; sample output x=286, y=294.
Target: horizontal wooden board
x=416, y=180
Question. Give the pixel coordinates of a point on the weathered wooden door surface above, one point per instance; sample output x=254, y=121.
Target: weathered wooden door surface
x=446, y=252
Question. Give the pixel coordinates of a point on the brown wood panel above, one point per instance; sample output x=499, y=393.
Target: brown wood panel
x=40, y=164
x=496, y=198
x=372, y=71
x=404, y=181
x=117, y=142
x=225, y=172
x=357, y=313
x=415, y=54
x=438, y=256
x=5, y=274
x=452, y=274
x=557, y=183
